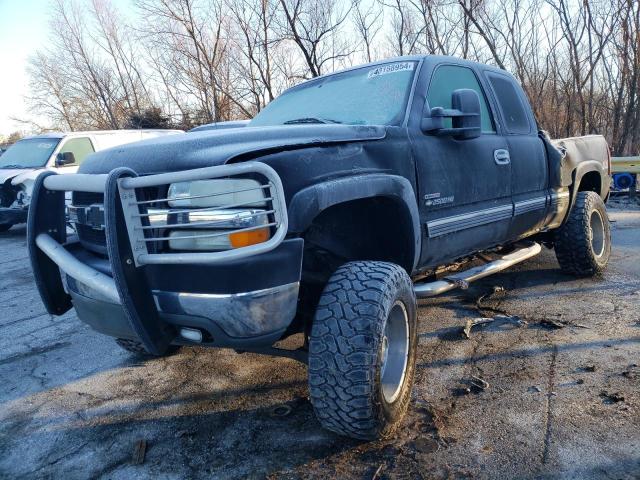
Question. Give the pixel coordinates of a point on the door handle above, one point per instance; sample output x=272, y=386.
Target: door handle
x=501, y=156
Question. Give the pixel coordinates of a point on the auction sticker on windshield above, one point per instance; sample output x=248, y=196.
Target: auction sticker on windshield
x=390, y=68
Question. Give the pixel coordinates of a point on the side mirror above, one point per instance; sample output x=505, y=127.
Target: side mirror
x=65, y=158
x=464, y=114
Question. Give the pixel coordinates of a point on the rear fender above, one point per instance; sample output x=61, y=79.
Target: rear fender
x=583, y=169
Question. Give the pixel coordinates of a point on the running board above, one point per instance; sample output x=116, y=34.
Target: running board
x=460, y=279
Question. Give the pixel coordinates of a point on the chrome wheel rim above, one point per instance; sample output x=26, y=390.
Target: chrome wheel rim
x=395, y=352
x=597, y=233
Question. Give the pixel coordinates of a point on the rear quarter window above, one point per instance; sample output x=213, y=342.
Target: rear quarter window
x=510, y=103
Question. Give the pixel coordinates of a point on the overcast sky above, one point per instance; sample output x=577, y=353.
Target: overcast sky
x=23, y=25
x=24, y=28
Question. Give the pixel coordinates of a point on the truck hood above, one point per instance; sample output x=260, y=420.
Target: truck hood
x=7, y=173
x=216, y=147
x=26, y=176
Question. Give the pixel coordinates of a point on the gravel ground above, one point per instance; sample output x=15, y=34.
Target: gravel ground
x=562, y=398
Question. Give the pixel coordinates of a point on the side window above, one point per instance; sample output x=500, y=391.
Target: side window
x=513, y=111
x=80, y=147
x=448, y=78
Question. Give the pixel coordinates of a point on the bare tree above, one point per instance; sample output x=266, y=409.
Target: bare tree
x=404, y=30
x=193, y=61
x=315, y=27
x=189, y=37
x=256, y=45
x=367, y=21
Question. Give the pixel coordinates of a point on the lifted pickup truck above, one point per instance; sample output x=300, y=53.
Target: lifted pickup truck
x=341, y=202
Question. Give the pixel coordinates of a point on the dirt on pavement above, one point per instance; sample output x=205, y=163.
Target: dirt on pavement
x=554, y=393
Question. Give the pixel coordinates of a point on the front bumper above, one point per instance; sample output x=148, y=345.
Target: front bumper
x=244, y=297
x=225, y=316
x=13, y=215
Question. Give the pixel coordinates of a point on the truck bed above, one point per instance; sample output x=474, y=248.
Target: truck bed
x=566, y=154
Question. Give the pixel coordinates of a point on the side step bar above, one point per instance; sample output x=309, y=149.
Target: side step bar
x=431, y=289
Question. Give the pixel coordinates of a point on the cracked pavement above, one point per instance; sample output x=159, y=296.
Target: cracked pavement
x=563, y=395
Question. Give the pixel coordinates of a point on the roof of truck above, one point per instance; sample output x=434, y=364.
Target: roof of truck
x=415, y=58
x=102, y=132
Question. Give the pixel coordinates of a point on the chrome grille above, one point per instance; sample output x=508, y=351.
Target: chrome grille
x=93, y=239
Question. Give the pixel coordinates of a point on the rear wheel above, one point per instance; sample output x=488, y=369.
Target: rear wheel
x=583, y=243
x=137, y=348
x=362, y=350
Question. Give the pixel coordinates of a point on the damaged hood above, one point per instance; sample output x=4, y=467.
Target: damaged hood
x=209, y=148
x=7, y=173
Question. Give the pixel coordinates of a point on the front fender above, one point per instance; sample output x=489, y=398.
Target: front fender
x=309, y=202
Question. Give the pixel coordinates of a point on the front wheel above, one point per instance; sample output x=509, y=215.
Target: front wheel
x=583, y=243
x=362, y=350
x=5, y=227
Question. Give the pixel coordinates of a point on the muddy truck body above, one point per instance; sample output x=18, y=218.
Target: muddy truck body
x=339, y=204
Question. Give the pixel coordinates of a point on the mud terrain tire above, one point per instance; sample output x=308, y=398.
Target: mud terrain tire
x=362, y=350
x=583, y=243
x=138, y=349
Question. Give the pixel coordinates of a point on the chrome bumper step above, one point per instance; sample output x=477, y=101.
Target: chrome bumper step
x=431, y=289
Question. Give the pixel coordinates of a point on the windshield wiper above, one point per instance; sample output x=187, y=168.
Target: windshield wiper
x=12, y=166
x=310, y=120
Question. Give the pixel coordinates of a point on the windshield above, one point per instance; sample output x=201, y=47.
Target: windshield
x=29, y=153
x=375, y=95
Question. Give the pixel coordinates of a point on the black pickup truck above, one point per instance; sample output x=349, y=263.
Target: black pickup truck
x=339, y=204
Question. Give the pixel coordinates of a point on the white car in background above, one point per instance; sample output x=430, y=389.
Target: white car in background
x=21, y=163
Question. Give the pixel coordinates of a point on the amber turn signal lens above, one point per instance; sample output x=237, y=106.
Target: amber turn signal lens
x=244, y=239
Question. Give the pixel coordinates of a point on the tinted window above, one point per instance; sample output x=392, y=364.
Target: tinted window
x=375, y=95
x=513, y=111
x=448, y=78
x=80, y=147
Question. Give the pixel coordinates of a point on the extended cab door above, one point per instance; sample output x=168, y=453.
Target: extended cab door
x=529, y=169
x=464, y=185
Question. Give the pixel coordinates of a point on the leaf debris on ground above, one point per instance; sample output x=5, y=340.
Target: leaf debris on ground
x=473, y=322
x=479, y=383
x=632, y=371
x=376, y=474
x=612, y=397
x=473, y=384
x=557, y=324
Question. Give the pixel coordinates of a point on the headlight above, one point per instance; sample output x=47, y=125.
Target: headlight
x=213, y=240
x=219, y=225
x=217, y=193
